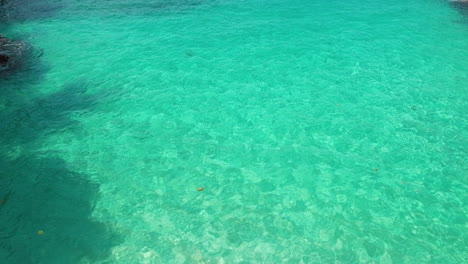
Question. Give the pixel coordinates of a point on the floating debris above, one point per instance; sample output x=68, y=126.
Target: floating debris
x=200, y=189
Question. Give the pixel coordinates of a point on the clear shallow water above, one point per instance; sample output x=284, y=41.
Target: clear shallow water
x=281, y=110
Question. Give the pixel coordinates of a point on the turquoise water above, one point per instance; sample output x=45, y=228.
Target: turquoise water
x=322, y=132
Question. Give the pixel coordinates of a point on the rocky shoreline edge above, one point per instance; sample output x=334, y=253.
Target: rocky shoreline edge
x=11, y=53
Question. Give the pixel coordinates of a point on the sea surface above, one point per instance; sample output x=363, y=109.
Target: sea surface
x=322, y=131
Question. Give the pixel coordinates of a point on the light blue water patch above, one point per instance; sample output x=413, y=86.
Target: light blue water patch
x=322, y=132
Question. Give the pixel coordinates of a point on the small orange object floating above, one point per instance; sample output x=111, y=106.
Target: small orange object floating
x=338, y=104
x=40, y=232
x=376, y=169
x=3, y=201
x=416, y=190
x=200, y=189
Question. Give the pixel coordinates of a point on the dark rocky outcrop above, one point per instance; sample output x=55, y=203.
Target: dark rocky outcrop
x=11, y=53
x=461, y=5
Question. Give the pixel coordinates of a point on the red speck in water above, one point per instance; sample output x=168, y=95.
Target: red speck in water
x=376, y=169
x=200, y=189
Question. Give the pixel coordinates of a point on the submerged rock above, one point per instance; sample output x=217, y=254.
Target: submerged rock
x=11, y=53
x=461, y=6
x=4, y=60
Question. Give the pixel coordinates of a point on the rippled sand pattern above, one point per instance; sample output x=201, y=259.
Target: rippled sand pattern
x=321, y=132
